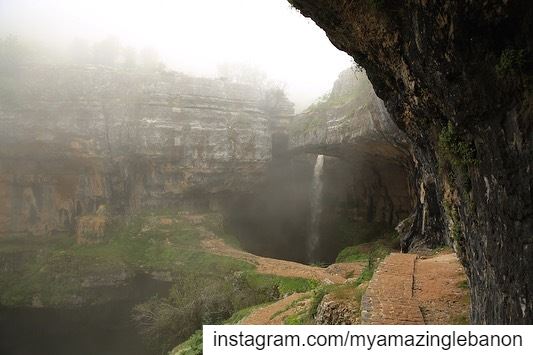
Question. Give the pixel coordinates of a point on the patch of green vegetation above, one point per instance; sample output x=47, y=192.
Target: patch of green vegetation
x=455, y=156
x=367, y=251
x=373, y=254
x=214, y=222
x=463, y=285
x=318, y=296
x=282, y=285
x=351, y=254
x=216, y=300
x=300, y=318
x=243, y=313
x=193, y=346
x=293, y=304
x=453, y=214
x=461, y=319
x=56, y=268
x=511, y=62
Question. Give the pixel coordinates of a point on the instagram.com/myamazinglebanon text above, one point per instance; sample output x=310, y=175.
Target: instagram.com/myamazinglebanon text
x=375, y=339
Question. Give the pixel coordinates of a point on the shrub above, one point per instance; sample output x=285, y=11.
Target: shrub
x=511, y=62
x=455, y=153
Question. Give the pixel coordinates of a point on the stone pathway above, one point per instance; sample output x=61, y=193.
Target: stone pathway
x=389, y=296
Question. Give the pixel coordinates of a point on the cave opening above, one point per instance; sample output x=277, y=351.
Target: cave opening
x=362, y=201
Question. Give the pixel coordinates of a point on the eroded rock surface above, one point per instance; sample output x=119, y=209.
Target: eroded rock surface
x=333, y=311
x=455, y=77
x=369, y=168
x=76, y=140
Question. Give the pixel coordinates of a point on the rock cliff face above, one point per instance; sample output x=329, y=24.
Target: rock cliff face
x=456, y=78
x=78, y=144
x=372, y=175
x=367, y=178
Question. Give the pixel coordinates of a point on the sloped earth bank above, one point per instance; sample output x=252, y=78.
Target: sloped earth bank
x=406, y=289
x=334, y=274
x=278, y=312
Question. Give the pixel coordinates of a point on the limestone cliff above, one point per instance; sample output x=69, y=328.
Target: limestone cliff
x=373, y=172
x=78, y=144
x=456, y=77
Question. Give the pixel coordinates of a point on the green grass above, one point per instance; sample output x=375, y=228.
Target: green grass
x=371, y=253
x=214, y=223
x=351, y=254
x=243, y=313
x=456, y=155
x=284, y=285
x=55, y=268
x=208, y=288
x=293, y=304
x=463, y=285
x=375, y=256
x=193, y=346
x=300, y=318
x=318, y=296
x=366, y=251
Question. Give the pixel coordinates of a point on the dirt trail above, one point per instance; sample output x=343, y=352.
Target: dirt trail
x=406, y=288
x=440, y=288
x=411, y=289
x=276, y=312
x=334, y=274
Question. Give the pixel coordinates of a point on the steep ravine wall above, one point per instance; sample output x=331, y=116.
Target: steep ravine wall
x=78, y=144
x=456, y=77
x=369, y=170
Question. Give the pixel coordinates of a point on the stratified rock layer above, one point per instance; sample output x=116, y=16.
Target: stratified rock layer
x=373, y=178
x=78, y=140
x=456, y=76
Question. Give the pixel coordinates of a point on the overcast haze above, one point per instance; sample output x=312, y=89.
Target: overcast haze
x=193, y=36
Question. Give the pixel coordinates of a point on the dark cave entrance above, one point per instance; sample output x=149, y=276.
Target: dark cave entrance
x=362, y=201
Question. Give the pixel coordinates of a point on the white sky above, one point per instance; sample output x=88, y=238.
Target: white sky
x=194, y=36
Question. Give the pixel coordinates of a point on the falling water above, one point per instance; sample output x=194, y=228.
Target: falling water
x=316, y=209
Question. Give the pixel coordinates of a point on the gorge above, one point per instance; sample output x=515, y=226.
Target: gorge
x=138, y=203
x=102, y=169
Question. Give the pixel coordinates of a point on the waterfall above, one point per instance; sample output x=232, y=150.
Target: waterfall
x=316, y=209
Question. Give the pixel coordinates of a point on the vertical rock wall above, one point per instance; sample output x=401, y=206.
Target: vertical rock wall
x=456, y=77
x=77, y=143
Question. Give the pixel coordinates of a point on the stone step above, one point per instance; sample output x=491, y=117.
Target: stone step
x=389, y=296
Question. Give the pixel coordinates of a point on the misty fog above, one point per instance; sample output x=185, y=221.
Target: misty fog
x=169, y=164
x=194, y=37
